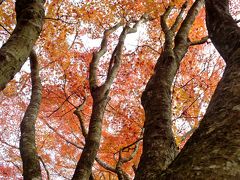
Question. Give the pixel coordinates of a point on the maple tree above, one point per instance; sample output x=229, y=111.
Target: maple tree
x=96, y=59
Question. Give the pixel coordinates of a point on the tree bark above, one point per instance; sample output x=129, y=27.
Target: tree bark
x=30, y=159
x=101, y=98
x=159, y=147
x=213, y=151
x=16, y=50
x=84, y=166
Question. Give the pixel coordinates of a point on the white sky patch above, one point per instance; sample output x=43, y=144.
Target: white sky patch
x=131, y=41
x=26, y=66
x=90, y=43
x=182, y=126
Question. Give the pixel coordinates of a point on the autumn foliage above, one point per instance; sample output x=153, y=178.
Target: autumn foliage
x=72, y=33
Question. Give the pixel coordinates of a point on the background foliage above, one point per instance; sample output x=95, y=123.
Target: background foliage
x=72, y=32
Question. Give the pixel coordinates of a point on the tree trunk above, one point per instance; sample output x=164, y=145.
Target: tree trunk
x=213, y=151
x=31, y=164
x=84, y=166
x=16, y=50
x=159, y=147
x=101, y=98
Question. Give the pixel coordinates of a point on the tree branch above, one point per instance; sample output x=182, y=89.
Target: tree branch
x=105, y=165
x=61, y=136
x=15, y=51
x=133, y=154
x=164, y=17
x=78, y=113
x=98, y=54
x=179, y=17
x=31, y=164
x=199, y=42
x=181, y=39
x=45, y=167
x=117, y=53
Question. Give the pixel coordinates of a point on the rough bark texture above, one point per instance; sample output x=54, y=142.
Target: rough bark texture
x=159, y=147
x=100, y=98
x=84, y=166
x=213, y=151
x=31, y=164
x=16, y=50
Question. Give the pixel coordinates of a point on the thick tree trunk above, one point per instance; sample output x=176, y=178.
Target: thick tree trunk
x=31, y=164
x=16, y=50
x=159, y=147
x=213, y=151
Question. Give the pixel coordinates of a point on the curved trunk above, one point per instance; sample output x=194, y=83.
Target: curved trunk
x=159, y=146
x=100, y=100
x=31, y=164
x=84, y=166
x=213, y=151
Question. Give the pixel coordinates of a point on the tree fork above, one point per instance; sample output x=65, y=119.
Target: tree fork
x=101, y=97
x=213, y=151
x=159, y=146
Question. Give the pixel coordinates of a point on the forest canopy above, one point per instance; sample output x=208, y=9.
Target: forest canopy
x=107, y=89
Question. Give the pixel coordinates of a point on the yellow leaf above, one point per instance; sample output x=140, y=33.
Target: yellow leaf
x=11, y=89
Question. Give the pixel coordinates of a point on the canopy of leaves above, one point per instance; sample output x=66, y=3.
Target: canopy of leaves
x=72, y=32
